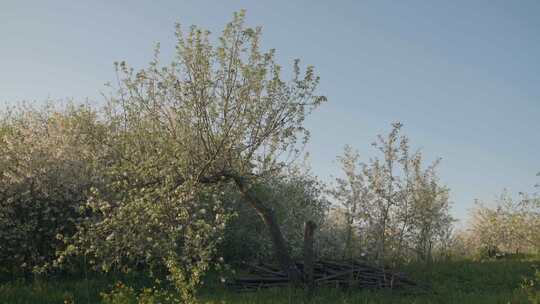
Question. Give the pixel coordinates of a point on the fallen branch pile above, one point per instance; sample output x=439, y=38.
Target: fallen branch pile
x=326, y=273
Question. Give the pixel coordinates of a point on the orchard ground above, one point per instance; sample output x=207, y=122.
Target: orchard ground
x=493, y=281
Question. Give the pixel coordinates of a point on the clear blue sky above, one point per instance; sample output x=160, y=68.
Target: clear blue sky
x=463, y=76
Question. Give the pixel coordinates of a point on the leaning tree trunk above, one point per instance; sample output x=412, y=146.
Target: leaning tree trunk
x=268, y=216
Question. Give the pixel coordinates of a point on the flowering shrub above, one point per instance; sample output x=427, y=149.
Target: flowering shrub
x=45, y=173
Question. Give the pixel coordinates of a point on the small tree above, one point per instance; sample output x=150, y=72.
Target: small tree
x=354, y=196
x=392, y=204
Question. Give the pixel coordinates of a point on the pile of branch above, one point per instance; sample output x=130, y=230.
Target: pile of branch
x=326, y=273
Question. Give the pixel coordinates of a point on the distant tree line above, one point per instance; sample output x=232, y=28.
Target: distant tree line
x=505, y=226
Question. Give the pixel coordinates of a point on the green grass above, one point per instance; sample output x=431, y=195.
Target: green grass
x=56, y=290
x=456, y=282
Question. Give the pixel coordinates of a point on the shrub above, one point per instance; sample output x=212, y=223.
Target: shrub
x=46, y=169
x=122, y=294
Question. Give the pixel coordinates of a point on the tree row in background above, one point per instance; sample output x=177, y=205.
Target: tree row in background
x=507, y=225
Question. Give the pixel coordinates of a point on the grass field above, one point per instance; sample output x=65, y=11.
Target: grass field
x=456, y=282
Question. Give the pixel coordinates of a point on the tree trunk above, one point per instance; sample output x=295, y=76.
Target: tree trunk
x=268, y=216
x=309, y=230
